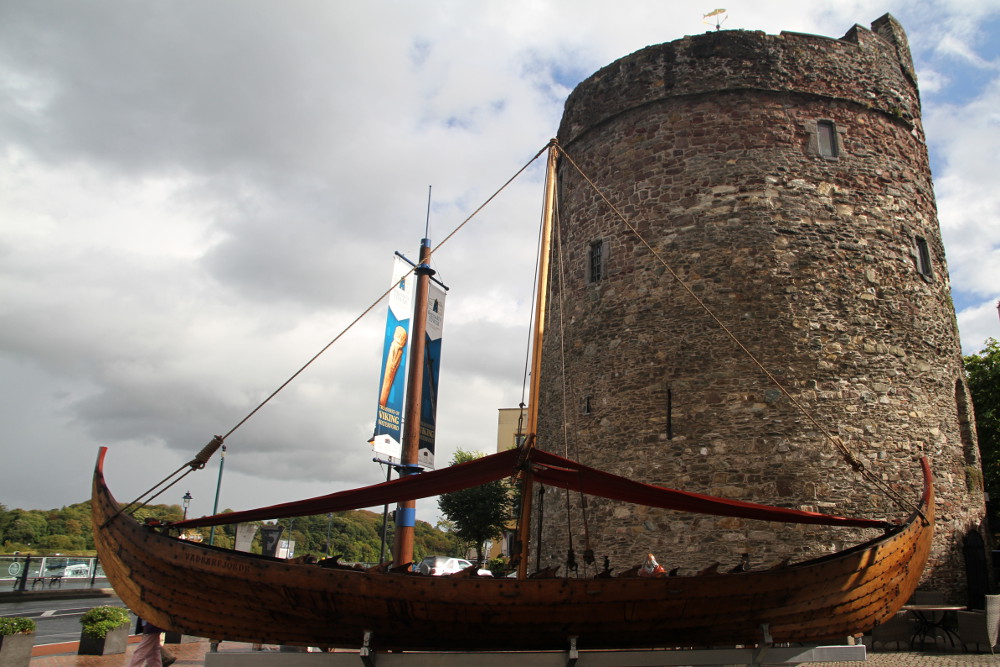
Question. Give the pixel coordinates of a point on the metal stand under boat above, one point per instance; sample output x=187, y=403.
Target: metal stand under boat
x=752, y=657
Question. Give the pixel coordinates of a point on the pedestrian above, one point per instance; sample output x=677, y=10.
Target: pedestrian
x=149, y=652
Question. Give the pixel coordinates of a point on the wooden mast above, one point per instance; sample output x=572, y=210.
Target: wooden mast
x=402, y=548
x=523, y=524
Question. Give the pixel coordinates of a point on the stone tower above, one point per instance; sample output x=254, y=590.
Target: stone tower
x=785, y=180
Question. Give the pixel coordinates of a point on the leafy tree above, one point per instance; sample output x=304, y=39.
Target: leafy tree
x=479, y=513
x=356, y=535
x=982, y=372
x=27, y=527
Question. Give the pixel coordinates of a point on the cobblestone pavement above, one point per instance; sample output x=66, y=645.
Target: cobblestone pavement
x=917, y=659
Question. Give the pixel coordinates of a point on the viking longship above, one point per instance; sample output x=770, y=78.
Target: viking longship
x=200, y=589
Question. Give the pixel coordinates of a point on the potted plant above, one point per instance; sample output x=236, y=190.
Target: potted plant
x=105, y=631
x=17, y=637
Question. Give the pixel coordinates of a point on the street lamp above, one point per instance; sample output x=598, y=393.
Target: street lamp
x=187, y=503
x=218, y=487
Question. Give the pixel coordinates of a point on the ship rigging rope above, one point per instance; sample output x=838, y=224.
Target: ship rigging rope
x=558, y=271
x=851, y=459
x=202, y=458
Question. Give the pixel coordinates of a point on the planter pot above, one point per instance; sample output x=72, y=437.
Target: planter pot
x=114, y=642
x=15, y=650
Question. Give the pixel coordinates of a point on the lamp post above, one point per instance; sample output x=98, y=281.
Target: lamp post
x=218, y=487
x=187, y=503
x=329, y=518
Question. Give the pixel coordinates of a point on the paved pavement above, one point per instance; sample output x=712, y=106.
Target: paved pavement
x=188, y=654
x=193, y=654
x=916, y=659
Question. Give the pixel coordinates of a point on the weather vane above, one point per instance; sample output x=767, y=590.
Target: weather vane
x=718, y=21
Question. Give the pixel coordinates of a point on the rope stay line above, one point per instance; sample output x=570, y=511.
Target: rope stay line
x=852, y=460
x=558, y=271
x=203, y=456
x=201, y=459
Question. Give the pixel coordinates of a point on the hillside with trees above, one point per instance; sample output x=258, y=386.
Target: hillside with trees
x=355, y=535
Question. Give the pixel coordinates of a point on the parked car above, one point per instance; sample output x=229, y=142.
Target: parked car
x=439, y=565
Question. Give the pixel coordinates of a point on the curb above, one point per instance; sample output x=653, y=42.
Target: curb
x=68, y=594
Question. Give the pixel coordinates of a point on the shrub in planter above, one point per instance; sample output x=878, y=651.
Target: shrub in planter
x=17, y=637
x=105, y=631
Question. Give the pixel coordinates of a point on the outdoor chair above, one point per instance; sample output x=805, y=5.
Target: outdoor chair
x=899, y=628
x=980, y=627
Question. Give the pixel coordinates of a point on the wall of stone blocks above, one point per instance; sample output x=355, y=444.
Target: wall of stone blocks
x=710, y=147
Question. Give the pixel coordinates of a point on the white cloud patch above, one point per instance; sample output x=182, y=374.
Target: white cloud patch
x=967, y=138
x=197, y=196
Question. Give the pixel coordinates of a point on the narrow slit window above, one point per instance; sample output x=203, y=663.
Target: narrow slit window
x=924, y=258
x=670, y=414
x=595, y=261
x=826, y=133
x=585, y=406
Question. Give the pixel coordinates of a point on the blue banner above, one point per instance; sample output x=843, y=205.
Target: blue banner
x=432, y=367
x=392, y=385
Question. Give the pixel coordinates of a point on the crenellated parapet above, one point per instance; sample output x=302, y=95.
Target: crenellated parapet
x=870, y=68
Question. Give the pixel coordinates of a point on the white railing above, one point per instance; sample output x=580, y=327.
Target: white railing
x=27, y=572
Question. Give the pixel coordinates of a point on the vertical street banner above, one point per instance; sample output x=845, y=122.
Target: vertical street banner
x=269, y=536
x=392, y=384
x=244, y=536
x=432, y=367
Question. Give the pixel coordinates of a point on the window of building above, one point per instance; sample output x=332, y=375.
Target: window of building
x=826, y=135
x=595, y=260
x=923, y=258
x=586, y=405
x=670, y=414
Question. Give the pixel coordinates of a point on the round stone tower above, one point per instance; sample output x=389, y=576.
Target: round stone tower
x=785, y=180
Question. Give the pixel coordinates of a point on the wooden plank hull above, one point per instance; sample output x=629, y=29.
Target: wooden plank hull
x=210, y=592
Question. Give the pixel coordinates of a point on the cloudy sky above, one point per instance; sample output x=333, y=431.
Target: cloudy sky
x=197, y=195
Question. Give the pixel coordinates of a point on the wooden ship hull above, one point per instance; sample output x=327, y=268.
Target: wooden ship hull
x=211, y=592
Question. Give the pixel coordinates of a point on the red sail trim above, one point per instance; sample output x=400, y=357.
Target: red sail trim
x=556, y=471
x=548, y=469
x=424, y=485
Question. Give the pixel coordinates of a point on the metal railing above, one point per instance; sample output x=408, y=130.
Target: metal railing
x=29, y=572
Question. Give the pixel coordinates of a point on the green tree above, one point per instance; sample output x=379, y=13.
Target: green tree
x=355, y=535
x=478, y=513
x=982, y=372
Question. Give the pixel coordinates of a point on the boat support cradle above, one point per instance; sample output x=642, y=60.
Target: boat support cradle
x=572, y=657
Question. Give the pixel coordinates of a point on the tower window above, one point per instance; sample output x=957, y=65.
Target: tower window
x=923, y=258
x=585, y=405
x=595, y=262
x=670, y=414
x=826, y=135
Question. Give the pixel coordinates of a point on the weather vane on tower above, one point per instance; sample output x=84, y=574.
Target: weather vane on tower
x=719, y=20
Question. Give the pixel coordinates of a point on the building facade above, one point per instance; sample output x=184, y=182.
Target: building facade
x=781, y=188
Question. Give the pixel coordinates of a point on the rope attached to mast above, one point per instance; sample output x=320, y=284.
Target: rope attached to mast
x=202, y=458
x=849, y=457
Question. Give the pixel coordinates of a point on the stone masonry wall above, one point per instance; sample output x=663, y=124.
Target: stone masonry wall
x=710, y=146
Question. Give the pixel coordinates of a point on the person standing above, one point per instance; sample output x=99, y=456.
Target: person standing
x=149, y=652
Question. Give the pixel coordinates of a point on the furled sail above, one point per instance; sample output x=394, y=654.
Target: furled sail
x=547, y=468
